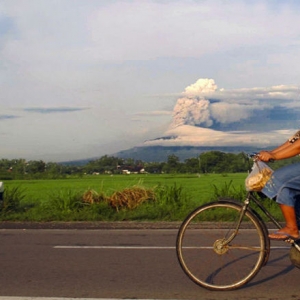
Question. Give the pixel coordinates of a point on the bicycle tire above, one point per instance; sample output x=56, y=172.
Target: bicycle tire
x=212, y=265
x=295, y=255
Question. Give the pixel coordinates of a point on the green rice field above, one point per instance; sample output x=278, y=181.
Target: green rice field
x=174, y=197
x=199, y=187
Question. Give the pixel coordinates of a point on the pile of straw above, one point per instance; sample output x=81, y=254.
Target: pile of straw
x=129, y=198
x=91, y=196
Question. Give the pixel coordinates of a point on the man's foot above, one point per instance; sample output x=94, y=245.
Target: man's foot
x=282, y=236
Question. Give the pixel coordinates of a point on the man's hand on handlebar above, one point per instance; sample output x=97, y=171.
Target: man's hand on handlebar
x=265, y=156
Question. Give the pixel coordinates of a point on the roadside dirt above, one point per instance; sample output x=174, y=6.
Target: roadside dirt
x=106, y=225
x=90, y=225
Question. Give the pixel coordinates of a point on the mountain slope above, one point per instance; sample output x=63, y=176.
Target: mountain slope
x=161, y=153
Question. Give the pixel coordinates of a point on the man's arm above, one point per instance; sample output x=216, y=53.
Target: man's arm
x=284, y=151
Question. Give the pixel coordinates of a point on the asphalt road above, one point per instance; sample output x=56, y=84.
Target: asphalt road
x=120, y=263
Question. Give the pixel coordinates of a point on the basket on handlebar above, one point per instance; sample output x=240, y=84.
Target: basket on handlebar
x=258, y=177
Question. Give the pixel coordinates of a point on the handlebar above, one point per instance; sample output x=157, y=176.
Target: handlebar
x=255, y=156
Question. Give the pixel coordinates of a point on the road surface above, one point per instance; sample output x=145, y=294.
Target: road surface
x=120, y=264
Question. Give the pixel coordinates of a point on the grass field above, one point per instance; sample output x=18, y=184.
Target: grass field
x=199, y=187
x=194, y=189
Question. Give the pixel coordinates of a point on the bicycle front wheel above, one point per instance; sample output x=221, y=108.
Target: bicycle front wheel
x=207, y=258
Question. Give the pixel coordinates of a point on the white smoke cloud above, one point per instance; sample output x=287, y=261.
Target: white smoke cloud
x=206, y=115
x=193, y=108
x=200, y=87
x=196, y=108
x=189, y=111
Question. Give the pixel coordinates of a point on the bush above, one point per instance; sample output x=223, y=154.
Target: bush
x=228, y=191
x=12, y=198
x=64, y=201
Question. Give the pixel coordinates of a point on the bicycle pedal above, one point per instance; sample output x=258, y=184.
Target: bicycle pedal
x=289, y=241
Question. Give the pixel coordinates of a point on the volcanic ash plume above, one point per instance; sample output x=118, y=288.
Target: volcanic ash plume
x=193, y=108
x=191, y=112
x=200, y=87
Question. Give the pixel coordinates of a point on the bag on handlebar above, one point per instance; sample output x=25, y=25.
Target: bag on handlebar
x=258, y=177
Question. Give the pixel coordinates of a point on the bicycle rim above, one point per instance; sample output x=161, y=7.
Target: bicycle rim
x=204, y=257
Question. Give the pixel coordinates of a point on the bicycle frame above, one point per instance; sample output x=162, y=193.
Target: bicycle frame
x=230, y=246
x=250, y=197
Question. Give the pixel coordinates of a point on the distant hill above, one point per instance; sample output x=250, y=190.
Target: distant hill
x=161, y=153
x=79, y=162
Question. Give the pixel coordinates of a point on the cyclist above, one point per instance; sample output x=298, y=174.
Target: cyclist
x=285, y=186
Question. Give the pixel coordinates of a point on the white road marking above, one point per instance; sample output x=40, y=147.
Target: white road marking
x=48, y=298
x=114, y=247
x=139, y=247
x=60, y=298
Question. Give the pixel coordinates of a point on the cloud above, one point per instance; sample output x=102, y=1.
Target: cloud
x=51, y=110
x=67, y=56
x=277, y=93
x=187, y=135
x=154, y=113
x=162, y=22
x=200, y=87
x=226, y=113
x=151, y=117
x=141, y=30
x=206, y=115
x=8, y=117
x=218, y=108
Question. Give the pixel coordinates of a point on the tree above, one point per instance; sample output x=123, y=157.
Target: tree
x=35, y=166
x=154, y=167
x=173, y=164
x=213, y=161
x=192, y=165
x=103, y=164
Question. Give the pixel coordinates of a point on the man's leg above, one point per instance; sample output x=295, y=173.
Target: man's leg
x=291, y=227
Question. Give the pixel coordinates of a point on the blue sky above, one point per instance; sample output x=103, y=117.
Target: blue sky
x=86, y=78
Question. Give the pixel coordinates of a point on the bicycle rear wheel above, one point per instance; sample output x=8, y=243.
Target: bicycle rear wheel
x=295, y=255
x=205, y=258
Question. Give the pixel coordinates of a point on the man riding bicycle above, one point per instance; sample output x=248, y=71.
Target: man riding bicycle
x=285, y=186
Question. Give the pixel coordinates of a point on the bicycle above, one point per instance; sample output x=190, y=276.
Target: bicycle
x=227, y=258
